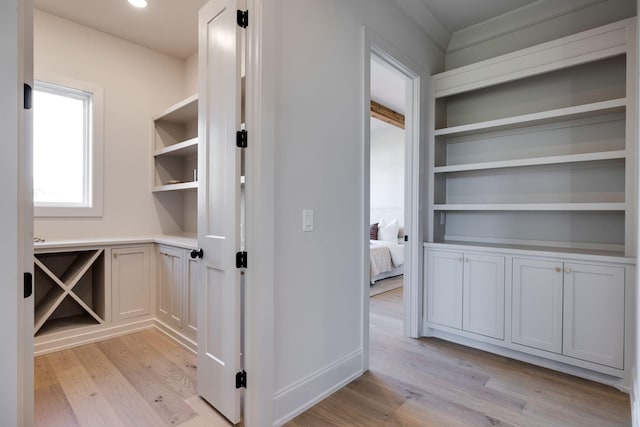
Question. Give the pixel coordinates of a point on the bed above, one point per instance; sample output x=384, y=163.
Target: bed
x=386, y=252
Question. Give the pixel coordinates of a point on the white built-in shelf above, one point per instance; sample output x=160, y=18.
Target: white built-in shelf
x=498, y=247
x=182, y=186
x=181, y=112
x=549, y=116
x=186, y=148
x=537, y=161
x=612, y=207
x=62, y=287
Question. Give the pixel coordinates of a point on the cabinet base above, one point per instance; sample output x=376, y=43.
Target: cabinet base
x=622, y=382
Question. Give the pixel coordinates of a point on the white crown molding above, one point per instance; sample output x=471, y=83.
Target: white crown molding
x=514, y=20
x=418, y=11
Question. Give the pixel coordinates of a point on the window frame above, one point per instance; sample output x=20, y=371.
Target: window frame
x=95, y=168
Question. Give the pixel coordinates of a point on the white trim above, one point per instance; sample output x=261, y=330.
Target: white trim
x=421, y=15
x=515, y=20
x=305, y=393
x=91, y=334
x=260, y=93
x=96, y=165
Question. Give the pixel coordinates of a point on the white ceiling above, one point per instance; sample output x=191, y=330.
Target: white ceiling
x=170, y=26
x=388, y=87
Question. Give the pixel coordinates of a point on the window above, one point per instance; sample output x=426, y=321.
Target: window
x=67, y=157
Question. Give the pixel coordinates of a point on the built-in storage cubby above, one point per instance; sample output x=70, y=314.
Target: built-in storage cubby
x=537, y=148
x=175, y=164
x=69, y=290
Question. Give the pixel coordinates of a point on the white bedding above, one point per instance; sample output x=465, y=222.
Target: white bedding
x=384, y=257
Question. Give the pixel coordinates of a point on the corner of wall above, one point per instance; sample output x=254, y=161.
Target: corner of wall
x=190, y=82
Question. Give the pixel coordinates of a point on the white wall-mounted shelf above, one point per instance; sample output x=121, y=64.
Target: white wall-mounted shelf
x=551, y=116
x=188, y=148
x=609, y=207
x=535, y=161
x=182, y=186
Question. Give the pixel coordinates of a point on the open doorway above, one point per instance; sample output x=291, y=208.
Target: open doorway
x=392, y=158
x=387, y=179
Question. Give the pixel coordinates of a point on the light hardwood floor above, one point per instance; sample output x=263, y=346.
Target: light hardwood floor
x=429, y=382
x=143, y=379
x=146, y=379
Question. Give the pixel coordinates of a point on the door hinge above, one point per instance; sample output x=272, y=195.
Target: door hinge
x=243, y=18
x=241, y=139
x=241, y=260
x=241, y=379
x=28, y=97
x=28, y=285
x=406, y=238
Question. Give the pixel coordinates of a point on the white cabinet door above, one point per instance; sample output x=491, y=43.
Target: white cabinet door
x=170, y=286
x=444, y=288
x=594, y=313
x=483, y=292
x=536, y=311
x=191, y=295
x=131, y=282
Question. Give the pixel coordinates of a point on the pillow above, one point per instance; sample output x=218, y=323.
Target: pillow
x=373, y=232
x=388, y=232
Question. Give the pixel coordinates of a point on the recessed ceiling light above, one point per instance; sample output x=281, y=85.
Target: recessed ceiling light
x=138, y=3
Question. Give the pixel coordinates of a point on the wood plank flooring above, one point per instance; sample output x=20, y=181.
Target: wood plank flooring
x=430, y=382
x=146, y=379
x=141, y=380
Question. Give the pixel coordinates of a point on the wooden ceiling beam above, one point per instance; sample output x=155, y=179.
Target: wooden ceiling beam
x=387, y=115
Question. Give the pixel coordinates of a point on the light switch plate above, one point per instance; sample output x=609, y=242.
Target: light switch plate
x=307, y=220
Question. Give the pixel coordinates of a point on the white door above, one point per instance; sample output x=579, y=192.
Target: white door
x=444, y=288
x=594, y=313
x=536, y=317
x=483, y=295
x=219, y=331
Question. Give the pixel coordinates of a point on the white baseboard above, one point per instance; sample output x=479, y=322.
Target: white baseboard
x=58, y=342
x=183, y=340
x=300, y=396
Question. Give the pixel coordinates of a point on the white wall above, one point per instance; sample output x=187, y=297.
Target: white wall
x=138, y=83
x=539, y=22
x=387, y=175
x=319, y=163
x=191, y=75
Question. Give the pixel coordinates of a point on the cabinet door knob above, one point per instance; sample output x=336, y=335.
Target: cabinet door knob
x=115, y=255
x=558, y=269
x=197, y=254
x=567, y=270
x=460, y=259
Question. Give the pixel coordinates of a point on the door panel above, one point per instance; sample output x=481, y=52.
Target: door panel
x=594, y=313
x=131, y=283
x=483, y=301
x=444, y=288
x=219, y=359
x=537, y=304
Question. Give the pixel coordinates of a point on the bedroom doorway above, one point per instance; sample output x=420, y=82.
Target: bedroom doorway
x=392, y=160
x=387, y=178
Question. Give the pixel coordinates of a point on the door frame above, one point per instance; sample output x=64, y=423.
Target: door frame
x=16, y=213
x=378, y=47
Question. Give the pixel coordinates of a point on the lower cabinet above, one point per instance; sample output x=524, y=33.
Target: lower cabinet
x=594, y=313
x=466, y=291
x=131, y=282
x=177, y=289
x=573, y=309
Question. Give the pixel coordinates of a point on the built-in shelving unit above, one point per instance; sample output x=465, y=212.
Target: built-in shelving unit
x=175, y=163
x=537, y=148
x=176, y=146
x=69, y=290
